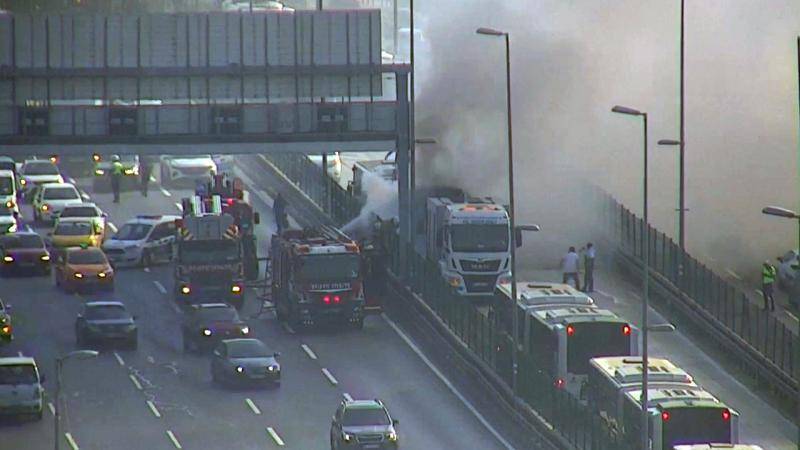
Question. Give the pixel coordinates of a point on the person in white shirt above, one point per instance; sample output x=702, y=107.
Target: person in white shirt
x=588, y=267
x=569, y=266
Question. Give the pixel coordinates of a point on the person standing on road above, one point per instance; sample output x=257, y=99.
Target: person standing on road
x=588, y=267
x=116, y=176
x=145, y=170
x=279, y=208
x=768, y=274
x=569, y=267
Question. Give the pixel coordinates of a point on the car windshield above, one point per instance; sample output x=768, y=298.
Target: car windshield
x=209, y=252
x=86, y=257
x=107, y=312
x=22, y=241
x=360, y=417
x=73, y=229
x=218, y=314
x=479, y=238
x=133, y=232
x=6, y=186
x=61, y=193
x=40, y=168
x=328, y=267
x=18, y=374
x=80, y=211
x=248, y=349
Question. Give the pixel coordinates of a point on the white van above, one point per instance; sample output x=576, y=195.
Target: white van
x=8, y=190
x=21, y=391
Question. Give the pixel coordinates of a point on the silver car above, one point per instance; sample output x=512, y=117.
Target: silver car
x=240, y=361
x=21, y=391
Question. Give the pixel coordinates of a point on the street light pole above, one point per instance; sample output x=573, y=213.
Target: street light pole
x=646, y=301
x=682, y=141
x=77, y=354
x=511, y=215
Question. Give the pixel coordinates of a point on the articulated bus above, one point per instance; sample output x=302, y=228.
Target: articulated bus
x=535, y=294
x=685, y=416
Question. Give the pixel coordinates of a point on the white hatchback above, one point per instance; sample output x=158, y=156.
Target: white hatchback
x=50, y=199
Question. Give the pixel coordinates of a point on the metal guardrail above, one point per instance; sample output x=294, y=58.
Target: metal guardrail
x=765, y=345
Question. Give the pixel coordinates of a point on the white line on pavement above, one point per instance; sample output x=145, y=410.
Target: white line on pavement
x=252, y=406
x=153, y=408
x=152, y=179
x=71, y=441
x=329, y=376
x=174, y=440
x=119, y=359
x=151, y=360
x=758, y=291
x=160, y=287
x=176, y=308
x=308, y=351
x=446, y=382
x=112, y=227
x=179, y=206
x=52, y=408
x=733, y=274
x=348, y=397
x=135, y=381
x=165, y=192
x=288, y=328
x=275, y=436
x=789, y=313
x=146, y=269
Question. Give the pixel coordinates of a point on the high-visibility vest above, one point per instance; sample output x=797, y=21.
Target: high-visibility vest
x=116, y=168
x=768, y=274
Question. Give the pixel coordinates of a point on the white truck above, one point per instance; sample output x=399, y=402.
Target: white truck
x=471, y=241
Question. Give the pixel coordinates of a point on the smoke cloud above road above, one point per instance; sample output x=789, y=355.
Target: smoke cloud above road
x=571, y=62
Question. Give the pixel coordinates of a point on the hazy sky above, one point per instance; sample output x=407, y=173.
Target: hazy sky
x=572, y=61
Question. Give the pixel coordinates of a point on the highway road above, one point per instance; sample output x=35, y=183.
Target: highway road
x=159, y=398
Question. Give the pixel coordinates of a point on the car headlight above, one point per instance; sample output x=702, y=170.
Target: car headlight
x=236, y=289
x=6, y=329
x=185, y=289
x=8, y=258
x=45, y=207
x=23, y=181
x=102, y=275
x=99, y=172
x=273, y=368
x=206, y=332
x=245, y=330
x=240, y=369
x=45, y=257
x=347, y=437
x=392, y=436
x=78, y=275
x=454, y=281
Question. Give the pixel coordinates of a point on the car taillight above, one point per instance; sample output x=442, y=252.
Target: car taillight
x=626, y=330
x=336, y=299
x=665, y=416
x=726, y=415
x=229, y=201
x=570, y=330
x=326, y=299
x=559, y=384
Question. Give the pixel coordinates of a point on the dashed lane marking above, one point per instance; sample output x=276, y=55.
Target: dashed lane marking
x=791, y=315
x=165, y=192
x=308, y=351
x=275, y=436
x=347, y=397
x=329, y=376
x=174, y=439
x=733, y=274
x=252, y=406
x=135, y=381
x=119, y=359
x=112, y=227
x=175, y=308
x=758, y=291
x=179, y=206
x=71, y=441
x=146, y=269
x=151, y=360
x=152, y=179
x=288, y=328
x=447, y=382
x=52, y=408
x=160, y=287
x=153, y=408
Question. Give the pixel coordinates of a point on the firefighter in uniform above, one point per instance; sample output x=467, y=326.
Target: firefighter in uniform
x=116, y=176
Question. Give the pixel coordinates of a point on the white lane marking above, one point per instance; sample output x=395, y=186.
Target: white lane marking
x=329, y=376
x=179, y=206
x=275, y=436
x=733, y=274
x=252, y=406
x=119, y=359
x=135, y=381
x=635, y=294
x=165, y=192
x=758, y=291
x=153, y=408
x=174, y=440
x=446, y=382
x=152, y=179
x=52, y=408
x=789, y=313
x=176, y=308
x=347, y=397
x=146, y=269
x=112, y=227
x=288, y=328
x=160, y=287
x=151, y=360
x=71, y=441
x=308, y=351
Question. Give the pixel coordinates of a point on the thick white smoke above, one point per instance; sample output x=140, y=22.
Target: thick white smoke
x=381, y=201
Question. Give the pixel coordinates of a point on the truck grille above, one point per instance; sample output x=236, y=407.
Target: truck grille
x=482, y=266
x=370, y=438
x=480, y=283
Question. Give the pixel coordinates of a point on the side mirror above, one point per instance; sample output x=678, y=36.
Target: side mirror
x=256, y=218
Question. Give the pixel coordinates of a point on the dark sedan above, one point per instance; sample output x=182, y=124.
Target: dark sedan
x=363, y=424
x=241, y=361
x=106, y=322
x=24, y=252
x=206, y=324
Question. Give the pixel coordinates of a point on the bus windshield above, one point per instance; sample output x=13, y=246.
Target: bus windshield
x=595, y=339
x=696, y=424
x=479, y=238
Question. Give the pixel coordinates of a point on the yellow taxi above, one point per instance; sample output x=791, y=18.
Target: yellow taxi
x=75, y=232
x=83, y=268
